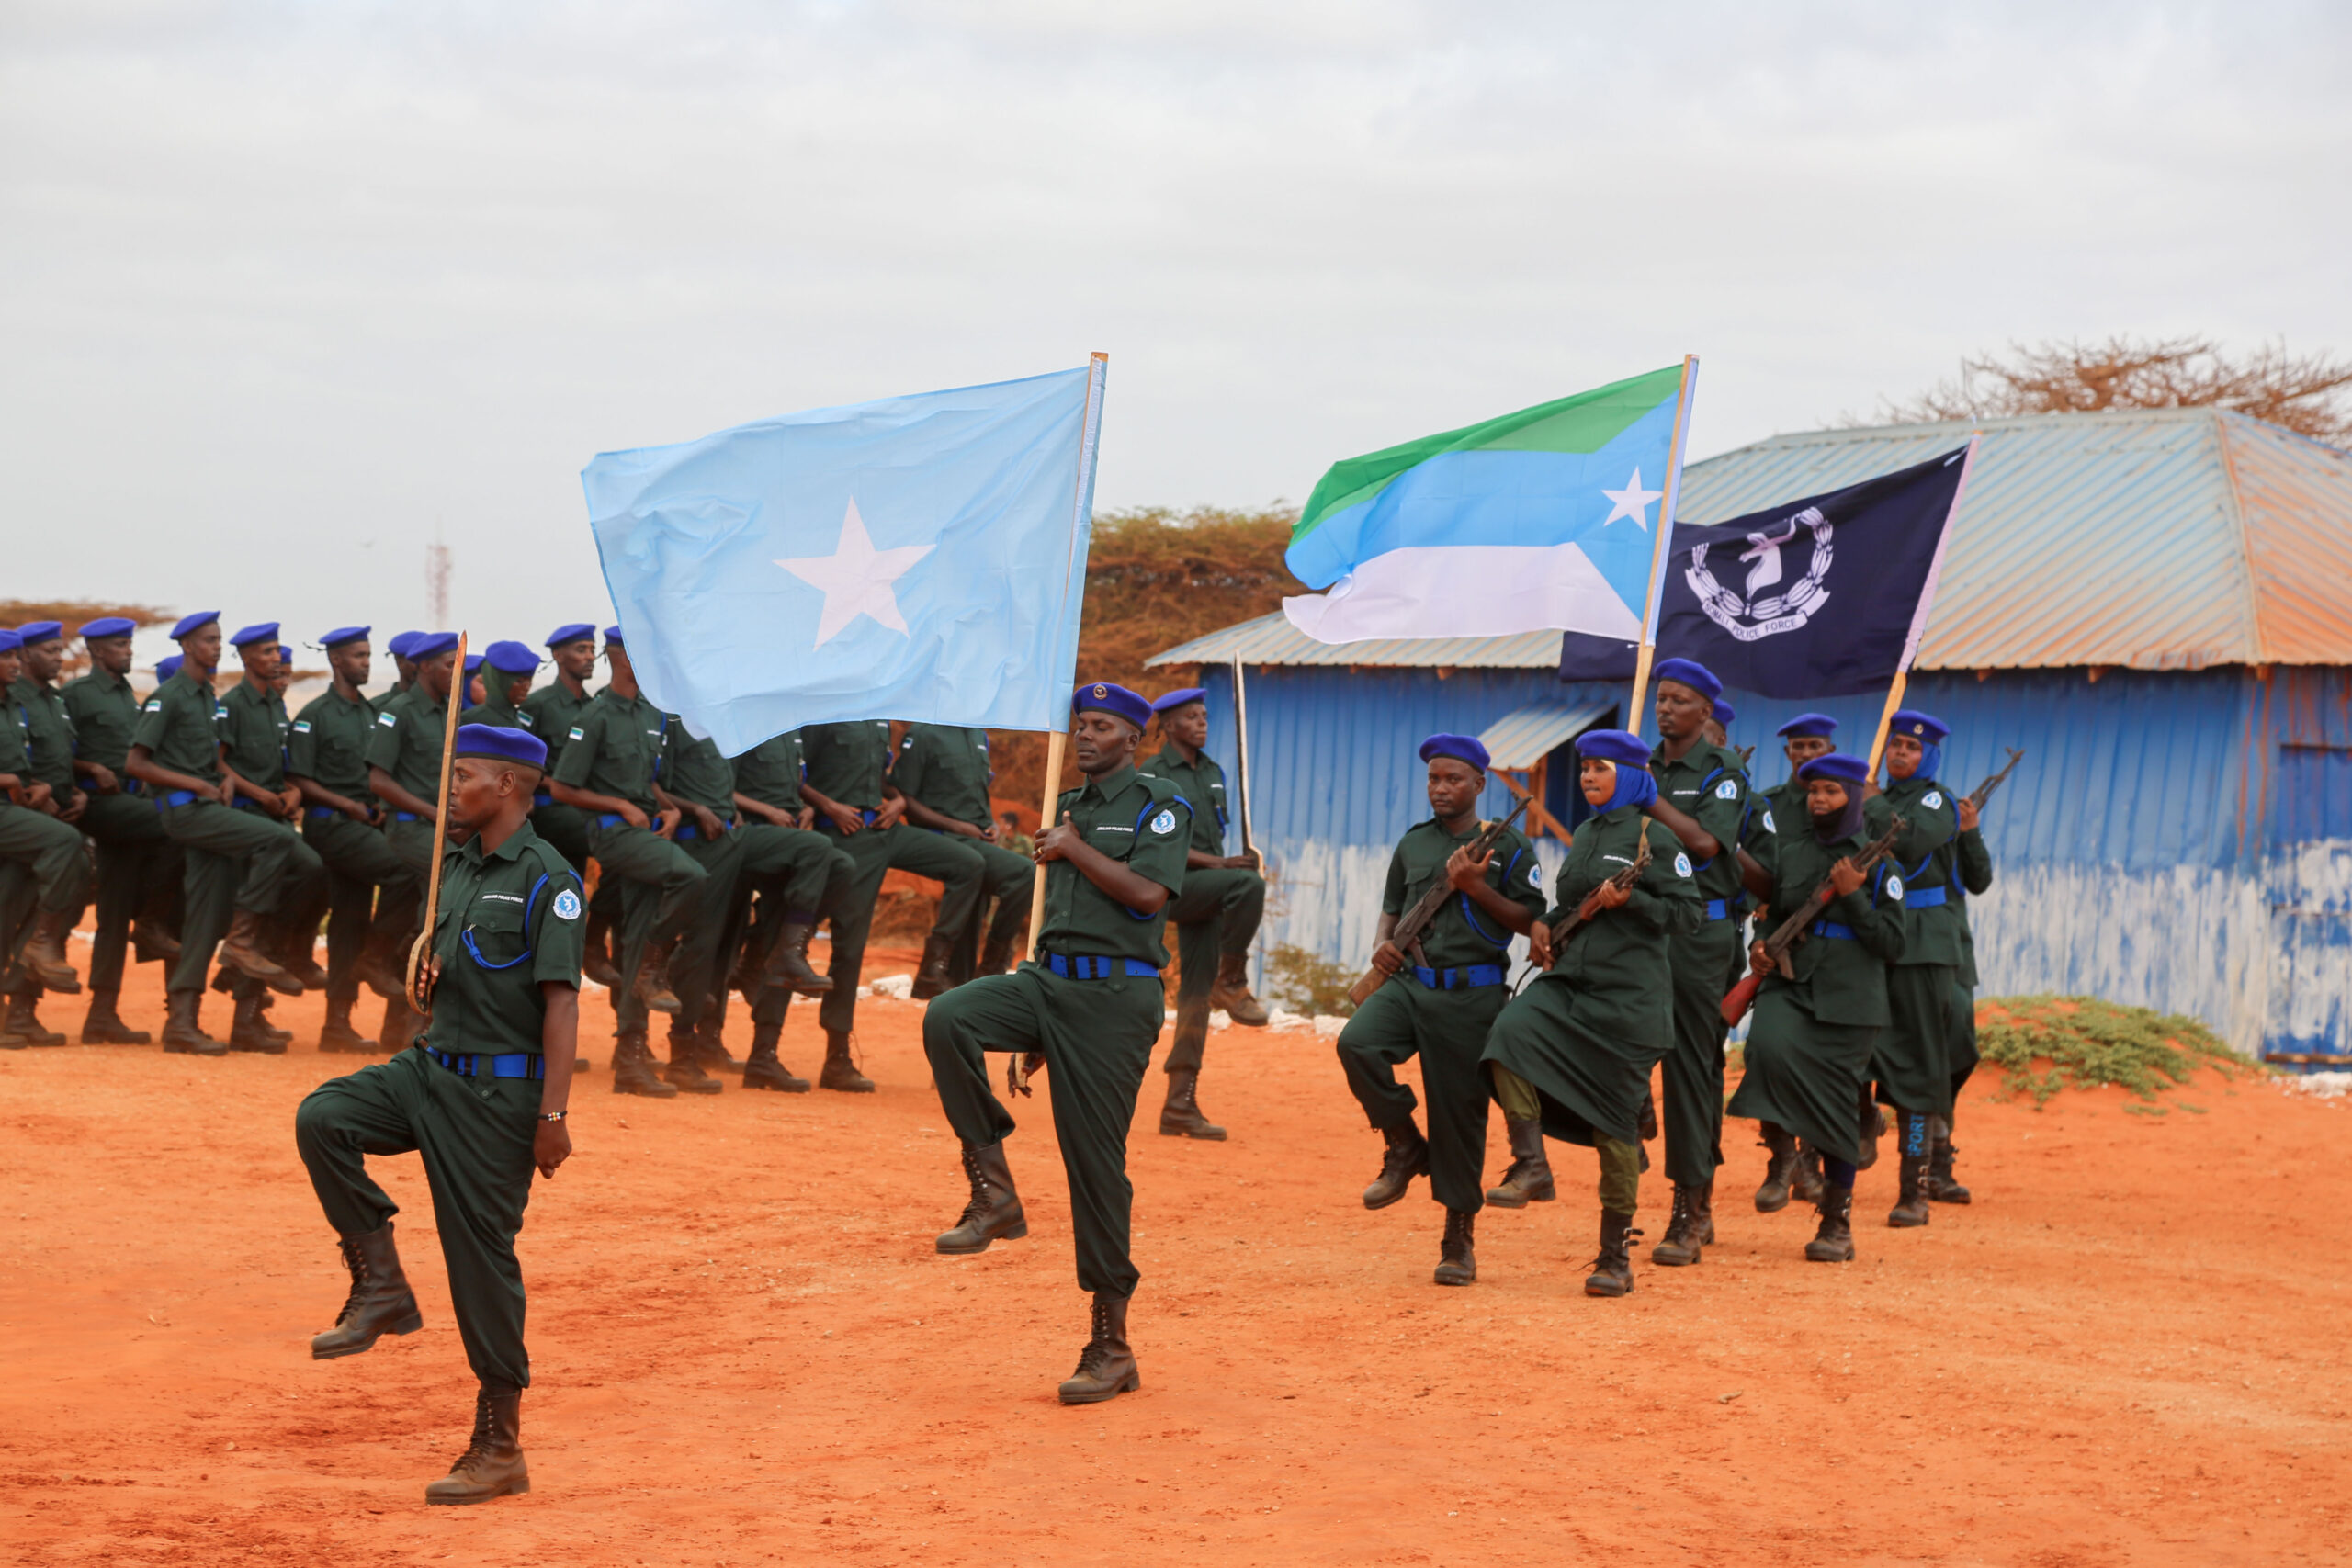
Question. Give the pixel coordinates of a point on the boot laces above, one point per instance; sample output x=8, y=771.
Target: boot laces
x=356, y=1261
x=1097, y=1353
x=981, y=1201
x=483, y=1439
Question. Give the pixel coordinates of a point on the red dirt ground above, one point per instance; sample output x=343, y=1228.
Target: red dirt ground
x=2130, y=1350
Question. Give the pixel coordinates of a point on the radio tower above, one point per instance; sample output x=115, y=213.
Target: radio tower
x=436, y=580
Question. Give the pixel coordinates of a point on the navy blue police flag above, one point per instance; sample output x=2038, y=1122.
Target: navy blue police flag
x=1812, y=598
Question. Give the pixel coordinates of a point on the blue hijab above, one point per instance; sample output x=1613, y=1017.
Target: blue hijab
x=1635, y=786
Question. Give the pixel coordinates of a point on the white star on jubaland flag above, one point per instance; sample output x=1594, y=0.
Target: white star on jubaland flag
x=856, y=579
x=1631, y=503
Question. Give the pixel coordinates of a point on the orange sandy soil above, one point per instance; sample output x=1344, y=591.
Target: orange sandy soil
x=2129, y=1350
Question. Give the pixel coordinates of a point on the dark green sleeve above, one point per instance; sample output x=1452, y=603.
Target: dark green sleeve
x=1392, y=897
x=907, y=767
x=1876, y=920
x=302, y=749
x=1976, y=861
x=1721, y=815
x=1666, y=897
x=384, y=739
x=154, y=724
x=559, y=940
x=579, y=759
x=1517, y=875
x=1161, y=843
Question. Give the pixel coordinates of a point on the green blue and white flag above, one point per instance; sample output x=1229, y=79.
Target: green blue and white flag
x=1545, y=519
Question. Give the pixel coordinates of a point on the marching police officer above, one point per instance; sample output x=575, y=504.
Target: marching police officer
x=483, y=1098
x=506, y=679
x=1090, y=1002
x=767, y=789
x=1215, y=917
x=549, y=712
x=35, y=938
x=943, y=773
x=1790, y=1171
x=139, y=867
x=403, y=648
x=253, y=729
x=1913, y=1065
x=48, y=876
x=370, y=889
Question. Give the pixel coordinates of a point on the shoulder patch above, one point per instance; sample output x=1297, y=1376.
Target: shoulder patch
x=1893, y=885
x=389, y=721
x=301, y=726
x=1769, y=826
x=1727, y=790
x=1165, y=822
x=1933, y=800
x=566, y=905
x=1681, y=864
x=1536, y=877
x=576, y=733
x=528, y=722
x=155, y=705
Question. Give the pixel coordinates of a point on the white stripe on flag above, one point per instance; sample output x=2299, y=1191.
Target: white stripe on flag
x=1467, y=590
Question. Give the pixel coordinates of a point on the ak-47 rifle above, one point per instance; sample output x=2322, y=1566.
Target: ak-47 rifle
x=1784, y=936
x=1585, y=913
x=1414, y=920
x=1984, y=792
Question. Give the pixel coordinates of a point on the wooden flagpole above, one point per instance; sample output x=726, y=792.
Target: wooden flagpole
x=418, y=997
x=1098, y=368
x=1662, y=546
x=1919, y=611
x=1242, y=761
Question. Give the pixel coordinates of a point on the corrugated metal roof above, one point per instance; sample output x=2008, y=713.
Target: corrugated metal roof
x=2150, y=539
x=1524, y=738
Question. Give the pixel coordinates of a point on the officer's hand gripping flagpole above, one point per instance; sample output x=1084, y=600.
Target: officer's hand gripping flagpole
x=1920, y=614
x=420, y=990
x=1662, y=541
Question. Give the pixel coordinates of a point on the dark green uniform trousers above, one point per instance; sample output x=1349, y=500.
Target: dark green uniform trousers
x=360, y=862
x=877, y=852
x=475, y=1136
x=1448, y=1031
x=1959, y=1041
x=831, y=876
x=698, y=970
x=1911, y=1064
x=1805, y=1075
x=50, y=853
x=1000, y=908
x=1691, y=1115
x=1097, y=1036
x=236, y=861
x=140, y=869
x=660, y=886
x=1215, y=915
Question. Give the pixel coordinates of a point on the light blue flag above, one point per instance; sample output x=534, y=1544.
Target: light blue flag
x=918, y=557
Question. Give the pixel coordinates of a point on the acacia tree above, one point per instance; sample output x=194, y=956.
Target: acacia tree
x=2308, y=393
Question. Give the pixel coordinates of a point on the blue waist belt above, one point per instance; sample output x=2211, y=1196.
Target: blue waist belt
x=1460, y=979
x=688, y=830
x=1087, y=966
x=1832, y=931
x=177, y=797
x=825, y=825
x=317, y=812
x=514, y=1064
x=1924, y=898
x=542, y=797
x=1718, y=909
x=132, y=785
x=613, y=820
x=408, y=817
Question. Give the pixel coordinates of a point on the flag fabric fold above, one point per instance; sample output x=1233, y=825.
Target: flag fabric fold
x=1539, y=519
x=914, y=558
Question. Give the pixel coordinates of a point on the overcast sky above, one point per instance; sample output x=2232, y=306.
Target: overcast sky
x=290, y=285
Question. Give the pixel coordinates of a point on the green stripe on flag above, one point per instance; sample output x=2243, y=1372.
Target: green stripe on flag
x=1584, y=423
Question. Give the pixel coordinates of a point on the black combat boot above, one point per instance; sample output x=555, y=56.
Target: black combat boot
x=596, y=963
x=1912, y=1152
x=43, y=955
x=996, y=954
x=653, y=986
x=1457, y=1264
x=994, y=1213
x=711, y=1044
x=24, y=1026
x=839, y=1071
x=247, y=952
x=633, y=1067
x=931, y=975
x=380, y=967
x=491, y=1465
x=268, y=1030
x=1529, y=1178
x=297, y=954
x=151, y=943
x=104, y=1026
x=183, y=1027
x=1692, y=1227
x=1408, y=1156
x=1613, y=1272
x=685, y=1071
x=1780, y=1169
x=1804, y=1184
x=247, y=1031
x=1941, y=1186
x=380, y=1302
x=1833, y=1241
x=402, y=1022
x=1106, y=1368
x=337, y=1037
x=762, y=1070
x=1180, y=1117
x=788, y=964
x=1231, y=992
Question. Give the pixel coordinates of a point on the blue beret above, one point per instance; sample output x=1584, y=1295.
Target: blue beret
x=1614, y=746
x=613, y=633
x=1104, y=697
x=498, y=741
x=342, y=635
x=107, y=625
x=190, y=624
x=571, y=631
x=510, y=658
x=1176, y=698
x=404, y=644
x=1836, y=765
x=1813, y=724
x=32, y=632
x=9, y=640
x=1460, y=748
x=167, y=667
x=1724, y=713
x=1691, y=673
x=427, y=645
x=473, y=661
x=1925, y=727
x=260, y=631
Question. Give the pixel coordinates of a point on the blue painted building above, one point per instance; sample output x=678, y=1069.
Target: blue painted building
x=2156, y=605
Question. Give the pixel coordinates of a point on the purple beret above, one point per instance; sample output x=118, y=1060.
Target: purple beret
x=1614, y=746
x=1691, y=673
x=1836, y=765
x=500, y=744
x=1104, y=697
x=1460, y=748
x=1810, y=724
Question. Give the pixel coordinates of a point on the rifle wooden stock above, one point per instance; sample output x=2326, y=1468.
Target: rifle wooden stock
x=1775, y=946
x=1416, y=920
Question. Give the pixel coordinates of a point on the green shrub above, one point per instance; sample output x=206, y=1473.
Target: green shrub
x=2087, y=1043
x=1309, y=982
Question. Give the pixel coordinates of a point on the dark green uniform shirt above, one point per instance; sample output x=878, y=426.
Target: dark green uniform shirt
x=1133, y=818
x=389, y=695
x=550, y=713
x=406, y=743
x=1841, y=960
x=945, y=766
x=1974, y=862
x=1923, y=861
x=1710, y=784
x=615, y=747
x=770, y=772
x=494, y=708
x=253, y=736
x=328, y=744
x=104, y=711
x=180, y=728
x=1203, y=785
x=508, y=920
x=1619, y=961
x=39, y=711
x=844, y=763
x=1459, y=935
x=694, y=772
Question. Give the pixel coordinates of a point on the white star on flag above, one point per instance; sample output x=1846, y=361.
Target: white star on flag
x=857, y=578
x=1630, y=502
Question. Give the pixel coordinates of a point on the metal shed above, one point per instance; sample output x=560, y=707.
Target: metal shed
x=2157, y=604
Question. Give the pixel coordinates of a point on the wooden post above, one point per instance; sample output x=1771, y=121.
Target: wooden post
x=1056, y=745
x=1663, y=545
x=1242, y=764
x=417, y=997
x=1886, y=718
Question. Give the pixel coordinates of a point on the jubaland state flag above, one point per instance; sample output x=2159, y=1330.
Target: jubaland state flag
x=1812, y=598
x=917, y=557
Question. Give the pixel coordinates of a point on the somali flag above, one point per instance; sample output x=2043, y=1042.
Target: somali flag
x=1545, y=519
